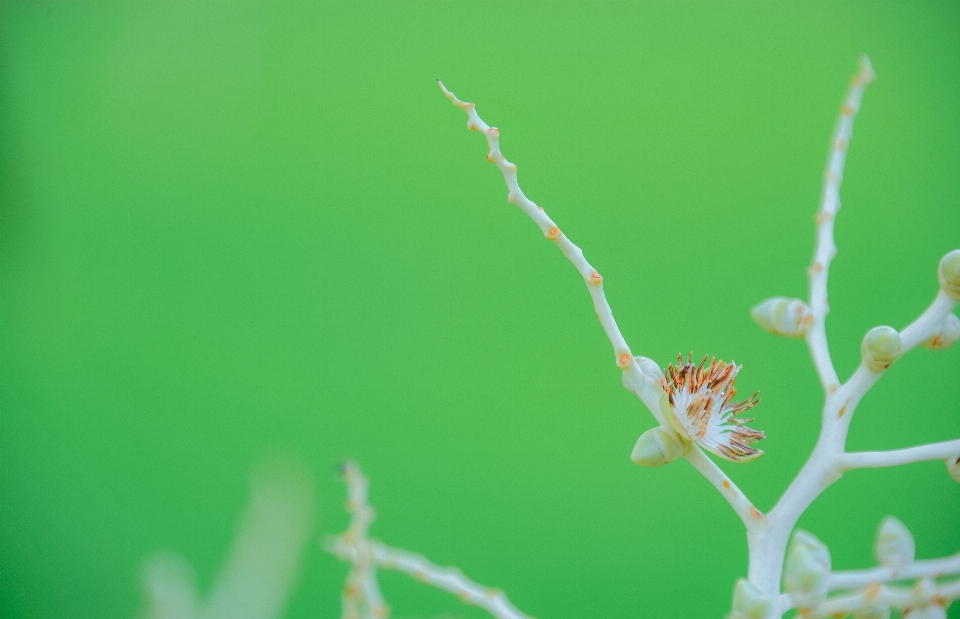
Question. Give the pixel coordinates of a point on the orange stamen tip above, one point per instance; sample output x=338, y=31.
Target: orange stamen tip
x=494, y=132
x=755, y=512
x=726, y=484
x=832, y=388
x=595, y=277
x=817, y=267
x=624, y=360
x=553, y=233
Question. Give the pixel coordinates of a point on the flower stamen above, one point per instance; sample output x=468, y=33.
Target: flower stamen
x=702, y=410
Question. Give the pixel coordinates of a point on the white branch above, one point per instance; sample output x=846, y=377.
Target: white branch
x=816, y=334
x=878, y=459
x=361, y=594
x=924, y=327
x=930, y=568
x=573, y=253
x=749, y=514
x=928, y=323
x=449, y=579
x=886, y=597
x=635, y=380
x=623, y=357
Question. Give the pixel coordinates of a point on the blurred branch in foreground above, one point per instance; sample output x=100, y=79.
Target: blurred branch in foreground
x=361, y=593
x=264, y=562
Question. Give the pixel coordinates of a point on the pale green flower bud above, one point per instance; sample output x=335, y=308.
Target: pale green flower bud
x=872, y=612
x=820, y=550
x=953, y=467
x=808, y=567
x=949, y=274
x=894, y=547
x=880, y=348
x=656, y=447
x=947, y=336
x=783, y=316
x=649, y=368
x=805, y=578
x=749, y=602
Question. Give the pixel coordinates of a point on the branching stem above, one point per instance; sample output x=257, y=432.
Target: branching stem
x=636, y=381
x=769, y=534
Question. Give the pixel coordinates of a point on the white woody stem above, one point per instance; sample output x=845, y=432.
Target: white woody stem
x=925, y=326
x=623, y=357
x=930, y=568
x=816, y=334
x=878, y=459
x=449, y=579
x=767, y=545
x=635, y=380
x=750, y=515
x=361, y=592
x=828, y=461
x=928, y=323
x=883, y=597
x=361, y=596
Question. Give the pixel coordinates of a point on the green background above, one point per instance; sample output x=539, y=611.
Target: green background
x=231, y=229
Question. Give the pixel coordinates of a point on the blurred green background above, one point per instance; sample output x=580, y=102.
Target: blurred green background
x=229, y=229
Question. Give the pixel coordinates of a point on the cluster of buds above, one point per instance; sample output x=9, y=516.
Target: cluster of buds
x=882, y=346
x=808, y=580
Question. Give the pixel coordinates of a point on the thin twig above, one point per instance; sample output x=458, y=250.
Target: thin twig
x=634, y=379
x=361, y=595
x=929, y=568
x=816, y=334
x=897, y=457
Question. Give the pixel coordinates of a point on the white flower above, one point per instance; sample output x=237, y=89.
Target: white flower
x=698, y=404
